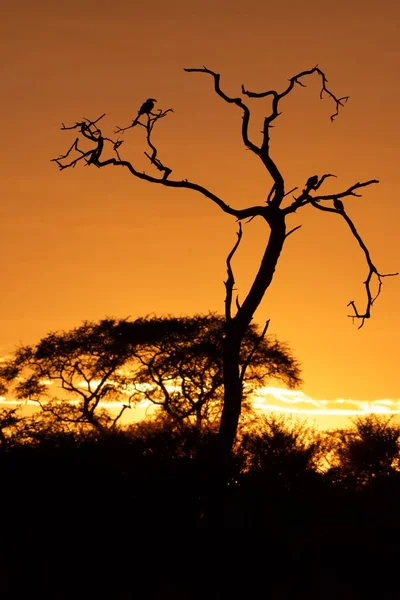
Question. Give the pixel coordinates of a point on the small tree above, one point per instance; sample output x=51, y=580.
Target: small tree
x=175, y=363
x=82, y=364
x=367, y=452
x=283, y=449
x=279, y=205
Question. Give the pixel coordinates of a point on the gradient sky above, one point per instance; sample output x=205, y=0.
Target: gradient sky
x=88, y=243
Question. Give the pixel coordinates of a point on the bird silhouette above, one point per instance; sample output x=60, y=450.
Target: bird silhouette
x=338, y=204
x=312, y=182
x=145, y=109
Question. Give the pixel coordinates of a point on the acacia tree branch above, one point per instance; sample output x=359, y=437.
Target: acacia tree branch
x=48, y=408
x=373, y=272
x=156, y=378
x=89, y=130
x=230, y=281
x=164, y=180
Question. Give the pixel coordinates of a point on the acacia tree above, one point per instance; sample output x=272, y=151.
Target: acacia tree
x=175, y=363
x=181, y=371
x=70, y=373
x=280, y=204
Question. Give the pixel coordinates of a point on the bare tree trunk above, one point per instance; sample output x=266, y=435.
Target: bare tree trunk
x=271, y=212
x=232, y=394
x=236, y=330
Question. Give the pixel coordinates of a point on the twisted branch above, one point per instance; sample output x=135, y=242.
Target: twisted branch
x=261, y=151
x=99, y=140
x=373, y=271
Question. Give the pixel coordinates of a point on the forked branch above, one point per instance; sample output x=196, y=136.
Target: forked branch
x=296, y=79
x=238, y=101
x=277, y=192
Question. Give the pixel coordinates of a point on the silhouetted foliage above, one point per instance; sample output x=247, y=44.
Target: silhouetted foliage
x=140, y=496
x=182, y=371
x=284, y=446
x=10, y=425
x=175, y=363
x=367, y=452
x=83, y=364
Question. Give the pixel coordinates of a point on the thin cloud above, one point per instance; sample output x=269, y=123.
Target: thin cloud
x=292, y=401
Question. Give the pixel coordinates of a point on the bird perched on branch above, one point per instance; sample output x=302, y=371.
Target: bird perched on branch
x=145, y=109
x=312, y=182
x=338, y=204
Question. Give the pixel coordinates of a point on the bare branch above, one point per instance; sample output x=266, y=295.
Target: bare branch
x=271, y=192
x=306, y=197
x=152, y=118
x=271, y=212
x=373, y=272
x=349, y=192
x=290, y=192
x=119, y=415
x=230, y=100
x=276, y=97
x=262, y=151
x=230, y=282
x=164, y=180
x=184, y=183
x=64, y=156
x=292, y=230
x=153, y=156
x=321, y=181
x=91, y=132
x=252, y=353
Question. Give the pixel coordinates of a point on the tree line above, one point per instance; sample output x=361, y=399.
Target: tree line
x=72, y=472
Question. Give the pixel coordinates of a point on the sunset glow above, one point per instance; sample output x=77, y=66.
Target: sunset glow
x=85, y=243
x=325, y=414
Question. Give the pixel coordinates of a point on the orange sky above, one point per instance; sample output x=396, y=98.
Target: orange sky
x=87, y=243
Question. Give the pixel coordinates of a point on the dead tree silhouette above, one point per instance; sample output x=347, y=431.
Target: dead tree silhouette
x=280, y=205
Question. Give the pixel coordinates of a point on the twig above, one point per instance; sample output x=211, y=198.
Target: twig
x=252, y=352
x=230, y=281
